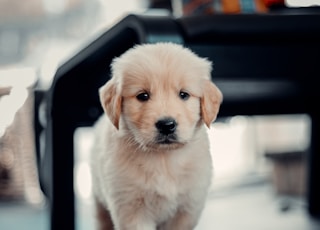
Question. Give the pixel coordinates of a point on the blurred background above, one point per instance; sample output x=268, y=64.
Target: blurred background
x=259, y=161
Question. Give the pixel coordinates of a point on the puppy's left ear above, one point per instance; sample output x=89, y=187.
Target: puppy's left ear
x=210, y=102
x=111, y=100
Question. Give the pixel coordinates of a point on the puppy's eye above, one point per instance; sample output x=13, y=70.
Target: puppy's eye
x=184, y=95
x=143, y=96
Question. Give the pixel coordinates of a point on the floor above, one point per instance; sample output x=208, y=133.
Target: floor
x=22, y=216
x=254, y=207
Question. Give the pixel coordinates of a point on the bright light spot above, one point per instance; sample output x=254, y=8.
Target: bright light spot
x=227, y=141
x=83, y=139
x=17, y=77
x=83, y=180
x=10, y=105
x=302, y=3
x=19, y=80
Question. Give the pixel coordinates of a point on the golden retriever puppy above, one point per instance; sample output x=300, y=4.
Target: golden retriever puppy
x=151, y=164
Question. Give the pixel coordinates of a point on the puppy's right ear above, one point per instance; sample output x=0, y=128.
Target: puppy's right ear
x=111, y=101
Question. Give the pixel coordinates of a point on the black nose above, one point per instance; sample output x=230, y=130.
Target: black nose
x=166, y=126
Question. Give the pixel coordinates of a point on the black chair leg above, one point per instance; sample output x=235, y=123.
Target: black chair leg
x=313, y=195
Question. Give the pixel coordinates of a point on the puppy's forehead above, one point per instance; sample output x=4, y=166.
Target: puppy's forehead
x=162, y=55
x=159, y=65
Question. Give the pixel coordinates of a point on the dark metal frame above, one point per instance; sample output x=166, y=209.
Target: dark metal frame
x=264, y=64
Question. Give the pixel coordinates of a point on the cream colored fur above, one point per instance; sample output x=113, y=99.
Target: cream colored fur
x=141, y=183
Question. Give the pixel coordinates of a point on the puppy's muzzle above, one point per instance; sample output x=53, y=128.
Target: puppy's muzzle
x=166, y=126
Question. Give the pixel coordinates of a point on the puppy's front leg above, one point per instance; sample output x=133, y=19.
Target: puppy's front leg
x=104, y=218
x=183, y=220
x=128, y=218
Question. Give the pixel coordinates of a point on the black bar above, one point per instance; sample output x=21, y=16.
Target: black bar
x=314, y=167
x=247, y=50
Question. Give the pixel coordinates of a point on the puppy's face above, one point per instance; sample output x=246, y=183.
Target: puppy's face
x=160, y=94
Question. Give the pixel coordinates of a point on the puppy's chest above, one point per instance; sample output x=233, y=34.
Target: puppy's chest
x=164, y=177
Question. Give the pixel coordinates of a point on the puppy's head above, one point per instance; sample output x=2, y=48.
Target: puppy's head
x=160, y=94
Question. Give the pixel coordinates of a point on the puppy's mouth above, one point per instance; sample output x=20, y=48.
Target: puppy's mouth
x=167, y=139
x=165, y=142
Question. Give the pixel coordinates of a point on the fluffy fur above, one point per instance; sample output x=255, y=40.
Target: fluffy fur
x=146, y=177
